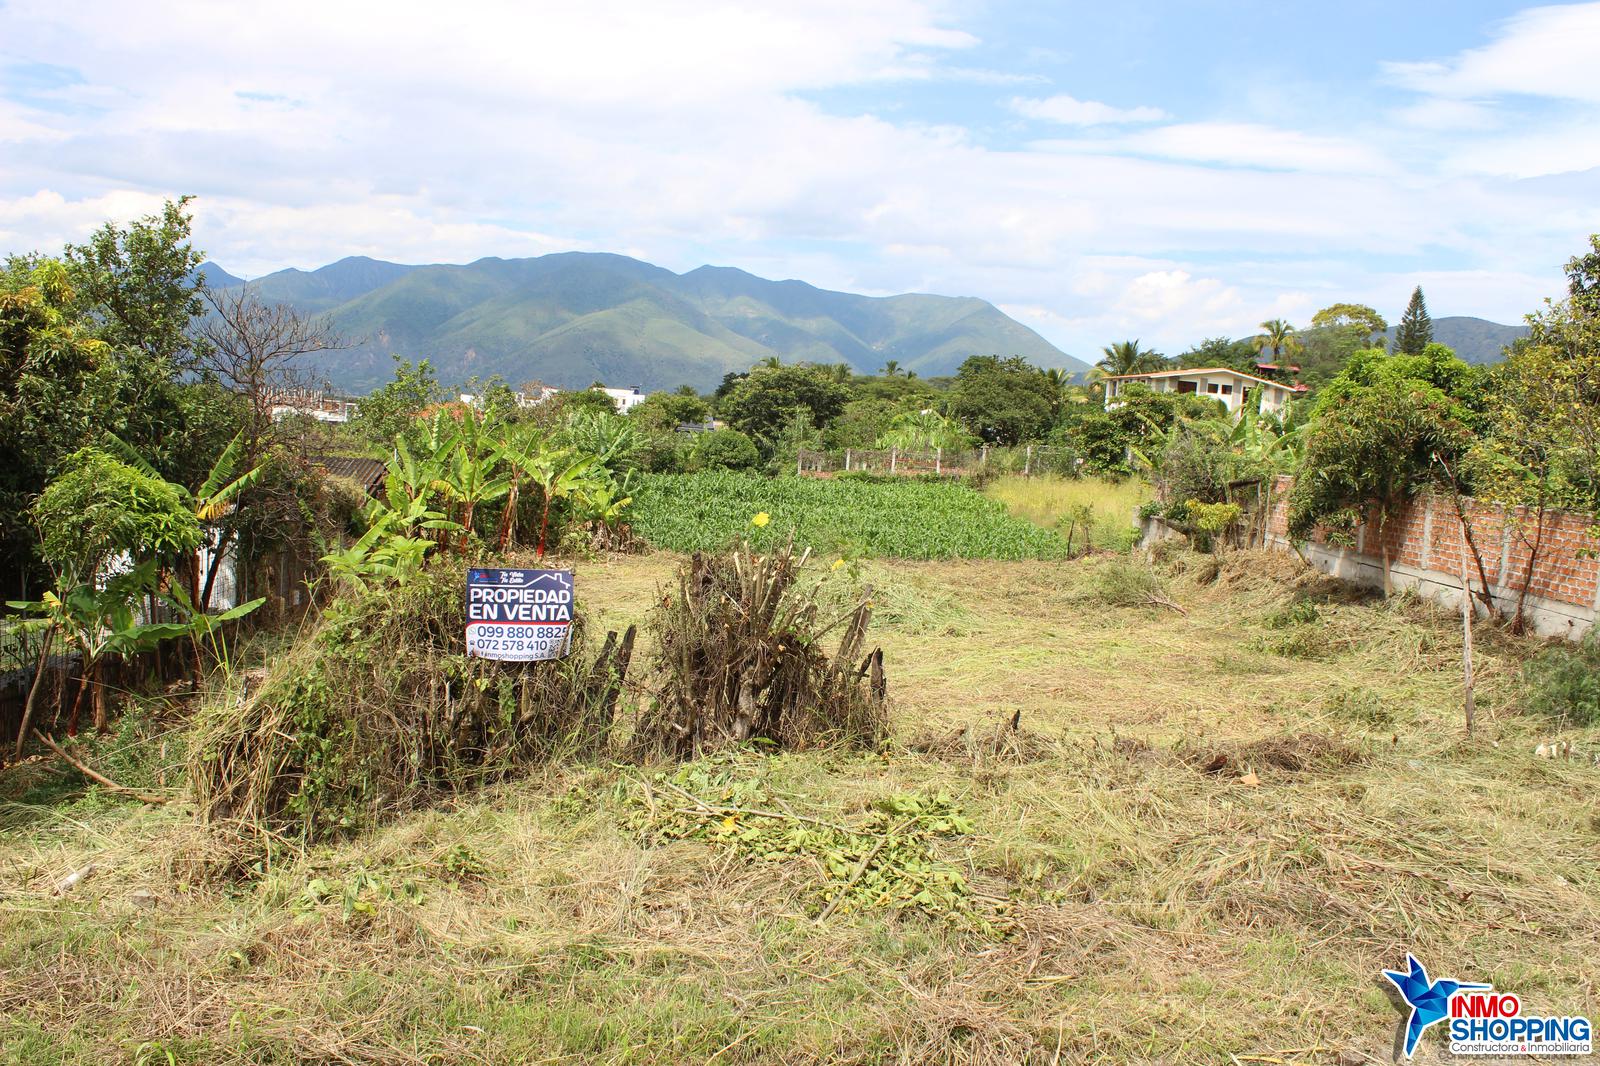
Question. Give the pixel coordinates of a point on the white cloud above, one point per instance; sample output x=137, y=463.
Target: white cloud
x=1238, y=144
x=683, y=132
x=1543, y=51
x=1069, y=111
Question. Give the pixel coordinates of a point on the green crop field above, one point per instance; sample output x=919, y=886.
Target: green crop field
x=902, y=519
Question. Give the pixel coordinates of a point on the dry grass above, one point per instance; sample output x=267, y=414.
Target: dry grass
x=1153, y=912
x=1106, y=508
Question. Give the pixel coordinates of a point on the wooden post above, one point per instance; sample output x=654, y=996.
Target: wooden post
x=1027, y=463
x=894, y=459
x=799, y=461
x=847, y=460
x=983, y=457
x=938, y=460
x=1471, y=705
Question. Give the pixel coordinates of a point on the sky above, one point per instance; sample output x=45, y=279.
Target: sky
x=1165, y=170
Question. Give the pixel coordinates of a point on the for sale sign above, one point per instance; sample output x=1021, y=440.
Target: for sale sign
x=518, y=615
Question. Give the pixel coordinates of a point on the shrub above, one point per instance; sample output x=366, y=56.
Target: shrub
x=739, y=648
x=724, y=449
x=381, y=709
x=1563, y=681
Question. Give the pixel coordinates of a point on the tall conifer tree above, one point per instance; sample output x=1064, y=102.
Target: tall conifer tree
x=1416, y=328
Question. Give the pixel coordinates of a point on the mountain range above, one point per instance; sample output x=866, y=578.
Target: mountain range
x=573, y=318
x=1476, y=340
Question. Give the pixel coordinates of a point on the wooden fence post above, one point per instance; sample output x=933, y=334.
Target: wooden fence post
x=983, y=456
x=938, y=460
x=799, y=462
x=1027, y=463
x=894, y=459
x=847, y=460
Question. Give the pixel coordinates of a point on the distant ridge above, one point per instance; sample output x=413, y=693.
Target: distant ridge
x=1475, y=340
x=572, y=318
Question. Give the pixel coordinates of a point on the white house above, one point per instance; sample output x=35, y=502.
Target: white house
x=626, y=399
x=313, y=402
x=1232, y=387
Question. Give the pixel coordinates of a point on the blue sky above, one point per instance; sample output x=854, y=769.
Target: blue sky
x=1166, y=171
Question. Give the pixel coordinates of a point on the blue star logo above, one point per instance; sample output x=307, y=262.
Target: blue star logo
x=1429, y=1000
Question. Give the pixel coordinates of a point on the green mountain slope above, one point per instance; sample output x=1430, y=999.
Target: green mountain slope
x=577, y=317
x=1475, y=340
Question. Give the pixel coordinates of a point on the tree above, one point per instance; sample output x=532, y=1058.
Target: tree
x=723, y=449
x=766, y=401
x=1279, y=338
x=1126, y=357
x=138, y=283
x=925, y=431
x=1375, y=439
x=891, y=368
x=258, y=351
x=1357, y=319
x=100, y=341
x=664, y=412
x=1542, y=448
x=389, y=410
x=1416, y=329
x=861, y=423
x=1002, y=401
x=1220, y=352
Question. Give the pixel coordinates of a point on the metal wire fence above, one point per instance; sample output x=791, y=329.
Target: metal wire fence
x=1027, y=460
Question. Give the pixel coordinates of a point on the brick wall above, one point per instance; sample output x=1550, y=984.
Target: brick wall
x=1426, y=548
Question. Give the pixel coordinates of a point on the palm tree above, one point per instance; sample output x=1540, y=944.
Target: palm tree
x=1058, y=382
x=1279, y=336
x=891, y=368
x=1126, y=357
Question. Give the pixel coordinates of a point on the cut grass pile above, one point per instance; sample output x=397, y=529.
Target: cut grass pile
x=1177, y=843
x=897, y=518
x=1095, y=513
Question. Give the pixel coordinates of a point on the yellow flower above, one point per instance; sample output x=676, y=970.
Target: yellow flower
x=761, y=519
x=837, y=563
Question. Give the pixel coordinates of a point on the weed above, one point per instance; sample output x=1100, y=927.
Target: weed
x=884, y=860
x=1563, y=680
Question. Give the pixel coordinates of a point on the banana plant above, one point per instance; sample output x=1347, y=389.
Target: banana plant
x=559, y=473
x=205, y=630
x=96, y=621
x=216, y=497
x=473, y=475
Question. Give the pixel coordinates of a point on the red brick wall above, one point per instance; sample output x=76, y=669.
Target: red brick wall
x=1567, y=569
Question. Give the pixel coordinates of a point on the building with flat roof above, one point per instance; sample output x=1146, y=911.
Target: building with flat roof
x=1234, y=388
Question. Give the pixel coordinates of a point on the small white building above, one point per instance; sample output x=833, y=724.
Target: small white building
x=1232, y=387
x=625, y=399
x=314, y=403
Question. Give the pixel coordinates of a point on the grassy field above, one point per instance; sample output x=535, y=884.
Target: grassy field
x=1102, y=510
x=891, y=518
x=1209, y=833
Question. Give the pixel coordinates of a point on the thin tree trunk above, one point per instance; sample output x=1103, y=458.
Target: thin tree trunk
x=77, y=703
x=33, y=689
x=1520, y=622
x=99, y=674
x=544, y=525
x=1471, y=706
x=224, y=542
x=1383, y=550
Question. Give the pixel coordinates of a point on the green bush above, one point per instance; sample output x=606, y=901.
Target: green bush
x=1563, y=681
x=724, y=449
